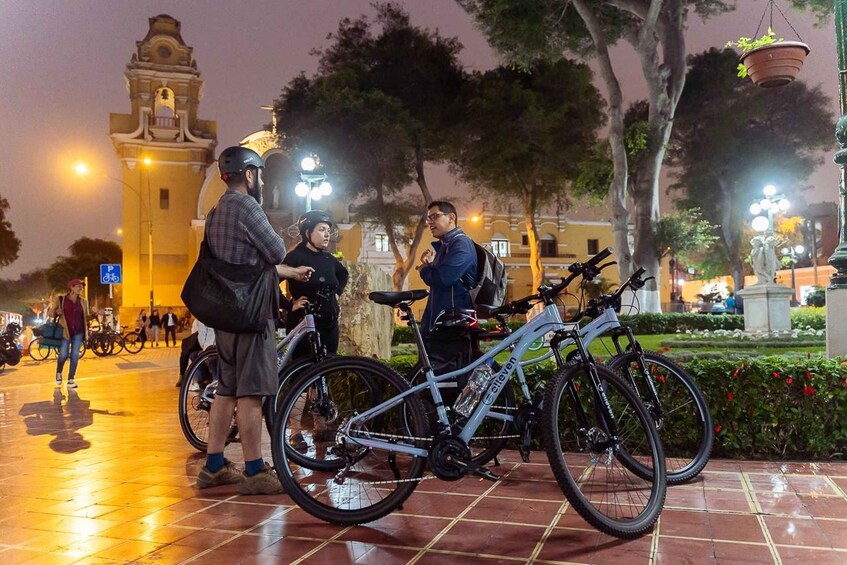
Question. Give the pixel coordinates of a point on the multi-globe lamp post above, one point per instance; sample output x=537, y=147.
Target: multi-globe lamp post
x=313, y=184
x=791, y=255
x=770, y=205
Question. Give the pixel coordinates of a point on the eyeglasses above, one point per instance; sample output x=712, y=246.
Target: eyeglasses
x=432, y=217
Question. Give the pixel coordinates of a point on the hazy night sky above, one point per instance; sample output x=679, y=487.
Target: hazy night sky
x=61, y=74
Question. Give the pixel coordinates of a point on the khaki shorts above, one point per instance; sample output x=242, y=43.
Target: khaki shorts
x=247, y=363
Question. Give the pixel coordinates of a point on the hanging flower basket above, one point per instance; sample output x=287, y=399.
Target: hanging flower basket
x=776, y=64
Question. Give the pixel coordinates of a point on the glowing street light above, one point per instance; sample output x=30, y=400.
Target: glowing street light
x=313, y=184
x=770, y=205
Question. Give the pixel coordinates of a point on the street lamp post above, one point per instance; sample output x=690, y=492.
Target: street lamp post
x=791, y=253
x=839, y=258
x=82, y=170
x=313, y=184
x=771, y=204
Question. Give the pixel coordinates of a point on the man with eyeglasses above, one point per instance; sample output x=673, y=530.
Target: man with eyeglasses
x=449, y=269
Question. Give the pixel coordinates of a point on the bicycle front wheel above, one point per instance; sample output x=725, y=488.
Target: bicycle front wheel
x=38, y=351
x=133, y=342
x=366, y=483
x=588, y=421
x=681, y=414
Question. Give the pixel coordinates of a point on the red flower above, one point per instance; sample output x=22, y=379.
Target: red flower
x=717, y=428
x=730, y=396
x=660, y=378
x=576, y=385
x=808, y=375
x=789, y=380
x=775, y=375
x=808, y=390
x=666, y=348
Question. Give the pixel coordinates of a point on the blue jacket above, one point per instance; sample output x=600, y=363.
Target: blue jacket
x=449, y=276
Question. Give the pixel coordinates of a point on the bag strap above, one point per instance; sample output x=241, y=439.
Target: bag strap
x=205, y=250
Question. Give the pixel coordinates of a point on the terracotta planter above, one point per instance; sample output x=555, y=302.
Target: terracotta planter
x=776, y=64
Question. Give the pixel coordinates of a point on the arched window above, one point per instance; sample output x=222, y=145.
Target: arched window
x=500, y=245
x=549, y=246
x=164, y=110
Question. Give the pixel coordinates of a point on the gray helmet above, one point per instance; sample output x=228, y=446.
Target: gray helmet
x=234, y=160
x=309, y=220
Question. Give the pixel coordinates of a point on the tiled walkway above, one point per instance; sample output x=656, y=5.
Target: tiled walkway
x=103, y=475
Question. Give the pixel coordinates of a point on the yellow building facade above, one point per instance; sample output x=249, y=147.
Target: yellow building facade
x=165, y=150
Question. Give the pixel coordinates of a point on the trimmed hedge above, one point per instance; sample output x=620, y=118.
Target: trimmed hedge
x=778, y=407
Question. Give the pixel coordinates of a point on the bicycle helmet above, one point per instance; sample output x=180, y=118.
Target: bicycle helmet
x=236, y=159
x=13, y=329
x=309, y=220
x=456, y=318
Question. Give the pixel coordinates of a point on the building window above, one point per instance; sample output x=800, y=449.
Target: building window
x=593, y=246
x=500, y=245
x=548, y=245
x=381, y=242
x=524, y=240
x=164, y=198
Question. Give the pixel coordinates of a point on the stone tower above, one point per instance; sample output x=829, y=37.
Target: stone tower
x=165, y=150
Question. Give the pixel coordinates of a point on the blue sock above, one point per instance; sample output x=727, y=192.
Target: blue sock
x=253, y=467
x=214, y=462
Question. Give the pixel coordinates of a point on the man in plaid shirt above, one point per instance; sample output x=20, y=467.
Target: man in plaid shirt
x=238, y=232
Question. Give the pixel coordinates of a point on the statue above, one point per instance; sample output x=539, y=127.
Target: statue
x=763, y=258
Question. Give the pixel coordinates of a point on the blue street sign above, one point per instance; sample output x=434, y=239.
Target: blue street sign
x=110, y=274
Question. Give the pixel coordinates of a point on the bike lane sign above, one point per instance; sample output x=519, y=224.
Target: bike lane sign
x=110, y=273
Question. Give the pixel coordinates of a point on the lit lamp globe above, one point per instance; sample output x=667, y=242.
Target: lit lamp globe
x=799, y=249
x=755, y=209
x=760, y=224
x=301, y=190
x=308, y=164
x=784, y=204
x=769, y=190
x=316, y=193
x=325, y=188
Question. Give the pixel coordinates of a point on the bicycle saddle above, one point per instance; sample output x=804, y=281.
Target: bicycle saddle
x=393, y=298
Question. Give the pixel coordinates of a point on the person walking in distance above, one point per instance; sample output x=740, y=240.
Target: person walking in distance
x=72, y=312
x=238, y=232
x=155, y=324
x=169, y=322
x=315, y=229
x=143, y=326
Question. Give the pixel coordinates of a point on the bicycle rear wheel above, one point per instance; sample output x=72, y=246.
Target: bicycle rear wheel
x=133, y=342
x=584, y=446
x=117, y=343
x=682, y=417
x=196, y=397
x=373, y=481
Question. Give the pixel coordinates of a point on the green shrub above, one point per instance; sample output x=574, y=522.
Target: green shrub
x=778, y=407
x=809, y=316
x=817, y=297
x=651, y=324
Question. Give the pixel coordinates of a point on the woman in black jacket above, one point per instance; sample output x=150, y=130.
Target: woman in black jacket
x=315, y=230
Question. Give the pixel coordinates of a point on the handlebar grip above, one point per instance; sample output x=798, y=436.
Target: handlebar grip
x=637, y=274
x=599, y=257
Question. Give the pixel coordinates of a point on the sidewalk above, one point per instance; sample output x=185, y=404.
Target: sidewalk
x=103, y=475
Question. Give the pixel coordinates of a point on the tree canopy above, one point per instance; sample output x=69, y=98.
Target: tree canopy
x=10, y=245
x=525, y=134
x=86, y=256
x=375, y=112
x=731, y=139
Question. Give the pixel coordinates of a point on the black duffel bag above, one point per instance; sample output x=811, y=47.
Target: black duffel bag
x=229, y=297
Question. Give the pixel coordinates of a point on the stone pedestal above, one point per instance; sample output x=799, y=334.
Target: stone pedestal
x=836, y=329
x=366, y=328
x=767, y=308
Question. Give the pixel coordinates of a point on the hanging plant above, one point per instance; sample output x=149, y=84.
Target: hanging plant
x=768, y=61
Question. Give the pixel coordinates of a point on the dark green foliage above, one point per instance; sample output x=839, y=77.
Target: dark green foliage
x=10, y=245
x=817, y=297
x=778, y=407
x=86, y=257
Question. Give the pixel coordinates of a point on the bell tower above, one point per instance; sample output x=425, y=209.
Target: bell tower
x=164, y=150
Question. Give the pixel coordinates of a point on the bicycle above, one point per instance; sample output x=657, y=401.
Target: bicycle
x=40, y=351
x=608, y=461
x=671, y=395
x=198, y=389
x=132, y=340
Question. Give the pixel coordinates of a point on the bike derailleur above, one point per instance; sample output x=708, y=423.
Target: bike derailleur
x=526, y=422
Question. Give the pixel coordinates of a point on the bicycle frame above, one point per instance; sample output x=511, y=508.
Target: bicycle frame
x=519, y=341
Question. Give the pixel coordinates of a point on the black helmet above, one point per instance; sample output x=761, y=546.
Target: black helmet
x=13, y=329
x=234, y=160
x=456, y=318
x=309, y=220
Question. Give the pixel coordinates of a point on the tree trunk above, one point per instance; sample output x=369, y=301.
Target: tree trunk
x=535, y=265
x=617, y=189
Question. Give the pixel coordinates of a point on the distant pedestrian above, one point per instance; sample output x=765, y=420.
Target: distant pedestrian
x=72, y=313
x=155, y=324
x=143, y=325
x=730, y=303
x=170, y=322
